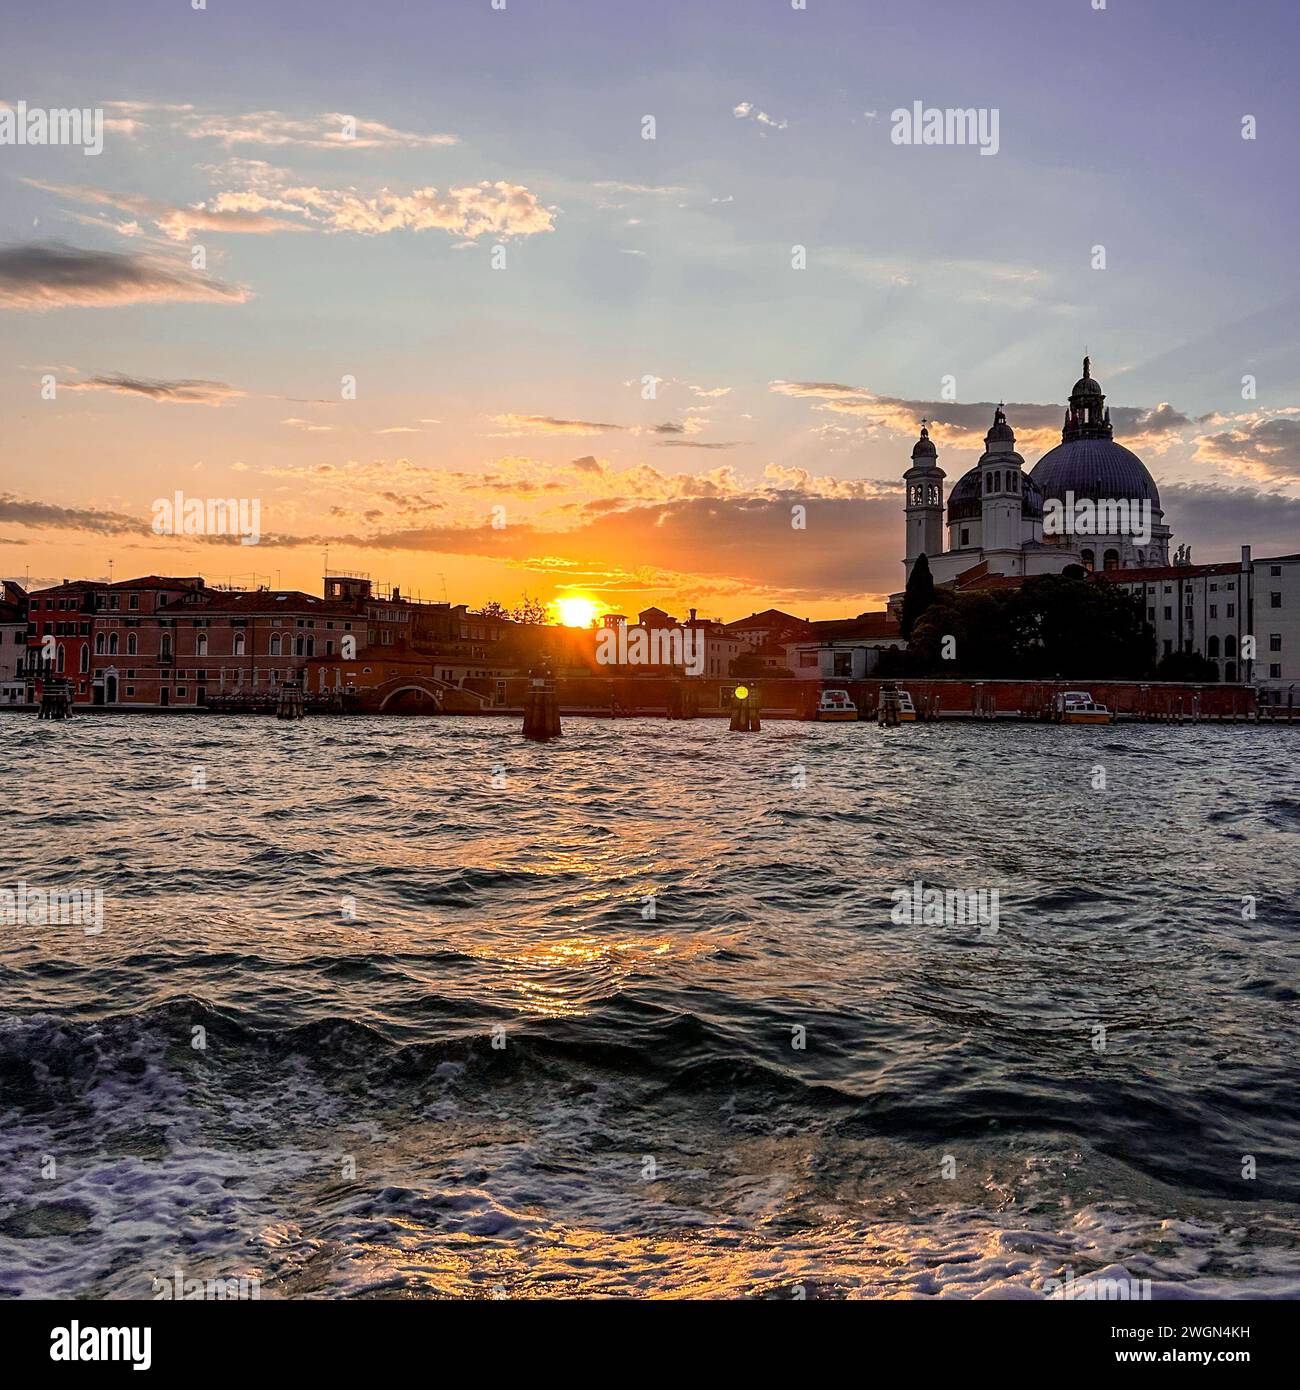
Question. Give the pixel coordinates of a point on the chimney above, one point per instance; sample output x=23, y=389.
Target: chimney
x=692, y=617
x=1245, y=557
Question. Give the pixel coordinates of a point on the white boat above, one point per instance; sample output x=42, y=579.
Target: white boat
x=1078, y=707
x=906, y=709
x=835, y=705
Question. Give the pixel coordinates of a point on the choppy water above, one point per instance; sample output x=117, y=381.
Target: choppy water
x=648, y=1127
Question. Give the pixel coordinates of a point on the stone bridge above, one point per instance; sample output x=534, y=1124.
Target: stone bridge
x=421, y=695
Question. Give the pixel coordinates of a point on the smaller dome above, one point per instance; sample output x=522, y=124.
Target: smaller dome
x=999, y=430
x=924, y=447
x=1086, y=386
x=966, y=504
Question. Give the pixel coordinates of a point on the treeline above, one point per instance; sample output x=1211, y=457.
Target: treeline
x=1053, y=625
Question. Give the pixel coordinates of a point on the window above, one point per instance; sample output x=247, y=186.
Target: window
x=133, y=602
x=59, y=662
x=1275, y=641
x=85, y=657
x=1232, y=610
x=239, y=644
x=132, y=644
x=965, y=535
x=112, y=644
x=165, y=647
x=1230, y=645
x=1110, y=560
x=1212, y=648
x=1275, y=571
x=180, y=692
x=1214, y=588
x=99, y=644
x=807, y=659
x=201, y=644
x=1275, y=671
x=1214, y=610
x=1275, y=600
x=1169, y=614
x=275, y=644
x=1151, y=615
x=1089, y=558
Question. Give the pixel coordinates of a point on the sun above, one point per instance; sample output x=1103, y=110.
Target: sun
x=576, y=611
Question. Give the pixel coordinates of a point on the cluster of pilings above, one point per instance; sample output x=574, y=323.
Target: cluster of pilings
x=541, y=708
x=56, y=699
x=683, y=700
x=290, y=704
x=744, y=711
x=887, y=713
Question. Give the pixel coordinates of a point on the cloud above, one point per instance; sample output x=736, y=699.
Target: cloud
x=1219, y=520
x=1265, y=448
x=330, y=131
x=497, y=209
x=547, y=424
x=963, y=425
x=46, y=515
x=176, y=223
x=746, y=110
x=296, y=423
x=51, y=275
x=177, y=392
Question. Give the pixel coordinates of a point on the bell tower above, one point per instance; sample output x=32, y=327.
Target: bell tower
x=924, y=506
x=1001, y=486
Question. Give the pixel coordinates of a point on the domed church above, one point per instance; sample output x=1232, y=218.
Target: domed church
x=995, y=512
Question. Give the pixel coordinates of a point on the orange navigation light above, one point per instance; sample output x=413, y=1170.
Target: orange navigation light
x=742, y=692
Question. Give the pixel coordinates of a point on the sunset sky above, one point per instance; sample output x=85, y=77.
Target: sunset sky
x=521, y=387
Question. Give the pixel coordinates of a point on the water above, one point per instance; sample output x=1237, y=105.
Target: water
x=345, y=1126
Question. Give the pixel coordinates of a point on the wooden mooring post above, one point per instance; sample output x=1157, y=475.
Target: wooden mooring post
x=290, y=704
x=744, y=711
x=56, y=699
x=888, y=716
x=541, y=707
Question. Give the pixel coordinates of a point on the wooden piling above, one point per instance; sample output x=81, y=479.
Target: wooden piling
x=56, y=699
x=541, y=708
x=744, y=710
x=290, y=704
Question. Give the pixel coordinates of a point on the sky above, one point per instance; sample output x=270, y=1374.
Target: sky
x=590, y=363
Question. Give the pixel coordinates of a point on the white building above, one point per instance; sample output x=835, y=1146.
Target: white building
x=995, y=512
x=13, y=643
x=1242, y=615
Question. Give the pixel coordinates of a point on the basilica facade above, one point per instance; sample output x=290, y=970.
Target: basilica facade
x=1089, y=501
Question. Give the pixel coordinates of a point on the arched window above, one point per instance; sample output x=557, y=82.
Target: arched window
x=85, y=656
x=112, y=644
x=275, y=644
x=201, y=644
x=1212, y=648
x=1110, y=560
x=1089, y=558
x=165, y=646
x=132, y=644
x=61, y=659
x=99, y=644
x=1230, y=645
x=239, y=644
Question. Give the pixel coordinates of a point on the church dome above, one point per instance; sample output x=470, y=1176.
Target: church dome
x=1087, y=461
x=1094, y=468
x=924, y=447
x=966, y=504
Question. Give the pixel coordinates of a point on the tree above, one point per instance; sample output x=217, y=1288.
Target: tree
x=532, y=612
x=918, y=595
x=493, y=609
x=1187, y=666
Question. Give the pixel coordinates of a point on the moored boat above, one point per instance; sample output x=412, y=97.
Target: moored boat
x=835, y=706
